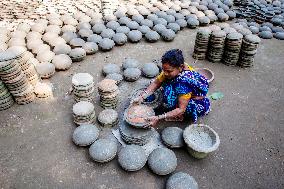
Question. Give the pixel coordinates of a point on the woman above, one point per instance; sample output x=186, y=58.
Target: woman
x=184, y=90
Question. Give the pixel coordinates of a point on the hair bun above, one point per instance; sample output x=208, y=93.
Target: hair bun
x=174, y=57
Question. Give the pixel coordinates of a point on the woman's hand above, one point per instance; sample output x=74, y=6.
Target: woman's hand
x=138, y=100
x=152, y=121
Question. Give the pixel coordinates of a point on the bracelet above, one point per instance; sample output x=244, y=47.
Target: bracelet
x=145, y=95
x=163, y=116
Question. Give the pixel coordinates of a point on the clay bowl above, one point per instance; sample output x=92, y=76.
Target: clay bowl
x=207, y=73
x=135, y=115
x=200, y=140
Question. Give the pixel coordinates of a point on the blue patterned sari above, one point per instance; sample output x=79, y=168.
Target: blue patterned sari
x=187, y=82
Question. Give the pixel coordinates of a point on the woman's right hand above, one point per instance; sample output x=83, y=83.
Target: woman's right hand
x=137, y=100
x=140, y=98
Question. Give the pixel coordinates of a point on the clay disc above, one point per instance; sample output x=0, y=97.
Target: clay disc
x=173, y=137
x=162, y=161
x=85, y=135
x=132, y=158
x=103, y=150
x=181, y=180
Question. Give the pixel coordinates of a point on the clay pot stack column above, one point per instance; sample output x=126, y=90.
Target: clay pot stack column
x=83, y=87
x=84, y=113
x=6, y=99
x=14, y=78
x=248, y=50
x=216, y=46
x=201, y=43
x=232, y=48
x=108, y=91
x=28, y=68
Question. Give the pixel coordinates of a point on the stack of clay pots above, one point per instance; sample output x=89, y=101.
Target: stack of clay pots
x=134, y=129
x=13, y=76
x=248, y=50
x=84, y=113
x=232, y=48
x=83, y=87
x=6, y=99
x=108, y=91
x=29, y=68
x=201, y=43
x=216, y=46
x=133, y=135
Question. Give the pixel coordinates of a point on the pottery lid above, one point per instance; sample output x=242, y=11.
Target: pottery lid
x=111, y=68
x=219, y=33
x=77, y=52
x=130, y=63
x=252, y=38
x=45, y=68
x=103, y=150
x=181, y=180
x=152, y=35
x=108, y=116
x=150, y=69
x=234, y=36
x=85, y=134
x=132, y=157
x=162, y=161
x=132, y=72
x=204, y=31
x=108, y=85
x=82, y=79
x=83, y=108
x=173, y=136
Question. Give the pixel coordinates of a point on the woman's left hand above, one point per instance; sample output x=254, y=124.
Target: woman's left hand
x=152, y=121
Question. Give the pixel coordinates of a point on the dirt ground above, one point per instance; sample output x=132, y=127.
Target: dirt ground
x=36, y=150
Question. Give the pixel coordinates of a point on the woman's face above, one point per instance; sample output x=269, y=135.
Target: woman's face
x=170, y=71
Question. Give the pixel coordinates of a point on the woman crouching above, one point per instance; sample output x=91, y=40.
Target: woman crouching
x=184, y=90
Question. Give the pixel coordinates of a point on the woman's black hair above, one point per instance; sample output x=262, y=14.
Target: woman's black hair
x=174, y=57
